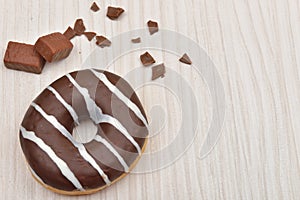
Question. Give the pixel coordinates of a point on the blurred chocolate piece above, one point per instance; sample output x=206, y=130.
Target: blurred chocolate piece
x=153, y=27
x=147, y=59
x=53, y=47
x=185, y=59
x=95, y=7
x=102, y=41
x=23, y=57
x=158, y=71
x=69, y=33
x=136, y=40
x=114, y=12
x=89, y=35
x=79, y=27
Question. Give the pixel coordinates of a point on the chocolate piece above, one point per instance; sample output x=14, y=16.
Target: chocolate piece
x=102, y=41
x=95, y=7
x=79, y=27
x=147, y=59
x=113, y=12
x=185, y=59
x=153, y=27
x=158, y=71
x=54, y=47
x=127, y=111
x=136, y=40
x=23, y=57
x=69, y=33
x=90, y=35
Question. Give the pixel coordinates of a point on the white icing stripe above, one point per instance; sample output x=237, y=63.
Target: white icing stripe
x=98, y=117
x=94, y=111
x=120, y=95
x=66, y=105
x=63, y=167
x=83, y=152
x=113, y=121
x=98, y=138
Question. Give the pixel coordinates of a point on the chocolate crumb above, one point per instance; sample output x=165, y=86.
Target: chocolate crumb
x=69, y=33
x=102, y=41
x=136, y=40
x=114, y=12
x=95, y=7
x=185, y=59
x=153, y=27
x=89, y=35
x=79, y=27
x=158, y=71
x=147, y=59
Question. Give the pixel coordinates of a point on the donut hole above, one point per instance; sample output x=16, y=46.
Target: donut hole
x=85, y=132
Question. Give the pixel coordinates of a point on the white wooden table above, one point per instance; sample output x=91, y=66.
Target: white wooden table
x=255, y=45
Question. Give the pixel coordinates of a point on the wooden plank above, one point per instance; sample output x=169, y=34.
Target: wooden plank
x=255, y=46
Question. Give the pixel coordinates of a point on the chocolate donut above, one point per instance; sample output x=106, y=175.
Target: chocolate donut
x=66, y=166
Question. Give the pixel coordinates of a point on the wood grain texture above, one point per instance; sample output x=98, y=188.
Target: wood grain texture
x=255, y=45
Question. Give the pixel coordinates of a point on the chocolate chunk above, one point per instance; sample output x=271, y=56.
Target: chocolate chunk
x=185, y=59
x=102, y=41
x=23, y=57
x=89, y=35
x=113, y=12
x=79, y=27
x=54, y=47
x=69, y=33
x=153, y=27
x=95, y=7
x=136, y=40
x=158, y=71
x=147, y=59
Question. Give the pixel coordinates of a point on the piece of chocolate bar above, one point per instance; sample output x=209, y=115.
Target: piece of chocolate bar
x=23, y=57
x=53, y=47
x=102, y=41
x=69, y=33
x=95, y=7
x=89, y=35
x=114, y=12
x=147, y=59
x=185, y=59
x=136, y=40
x=158, y=71
x=153, y=27
x=79, y=27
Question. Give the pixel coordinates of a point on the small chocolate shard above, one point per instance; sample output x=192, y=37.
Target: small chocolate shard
x=90, y=35
x=153, y=27
x=147, y=59
x=79, y=27
x=53, y=47
x=95, y=7
x=136, y=40
x=158, y=71
x=23, y=57
x=69, y=33
x=114, y=13
x=102, y=41
x=185, y=59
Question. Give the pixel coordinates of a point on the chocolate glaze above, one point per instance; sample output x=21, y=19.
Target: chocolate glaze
x=110, y=104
